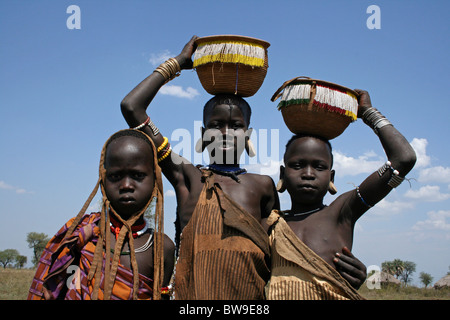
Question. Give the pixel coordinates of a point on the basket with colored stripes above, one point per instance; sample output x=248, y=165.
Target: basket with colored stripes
x=316, y=107
x=231, y=64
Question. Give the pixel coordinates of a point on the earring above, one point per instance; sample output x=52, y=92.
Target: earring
x=332, y=188
x=281, y=186
x=250, y=148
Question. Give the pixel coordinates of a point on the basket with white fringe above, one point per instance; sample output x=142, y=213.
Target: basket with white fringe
x=231, y=64
x=316, y=107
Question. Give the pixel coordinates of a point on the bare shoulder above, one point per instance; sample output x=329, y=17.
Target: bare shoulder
x=259, y=177
x=168, y=243
x=261, y=186
x=262, y=181
x=341, y=207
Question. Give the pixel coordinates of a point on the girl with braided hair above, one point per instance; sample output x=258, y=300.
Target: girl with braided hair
x=114, y=253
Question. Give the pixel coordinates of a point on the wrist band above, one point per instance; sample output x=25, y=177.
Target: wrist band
x=143, y=124
x=374, y=119
x=169, y=69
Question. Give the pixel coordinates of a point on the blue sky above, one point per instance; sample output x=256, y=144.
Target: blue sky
x=60, y=93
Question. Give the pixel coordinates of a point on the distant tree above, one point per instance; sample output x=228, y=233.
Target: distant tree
x=408, y=269
x=394, y=267
x=37, y=242
x=20, y=261
x=425, y=278
x=400, y=269
x=8, y=256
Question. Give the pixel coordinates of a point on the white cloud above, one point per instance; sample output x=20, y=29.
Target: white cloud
x=158, y=58
x=385, y=207
x=177, y=91
x=5, y=186
x=349, y=166
x=169, y=193
x=437, y=220
x=427, y=193
x=437, y=174
x=420, y=147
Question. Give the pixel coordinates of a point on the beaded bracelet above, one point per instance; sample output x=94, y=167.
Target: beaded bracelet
x=362, y=199
x=163, y=145
x=143, y=124
x=166, y=153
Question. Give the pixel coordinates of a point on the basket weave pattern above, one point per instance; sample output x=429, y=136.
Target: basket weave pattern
x=316, y=107
x=240, y=79
x=231, y=64
x=316, y=121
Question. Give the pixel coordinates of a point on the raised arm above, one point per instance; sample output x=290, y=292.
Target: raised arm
x=134, y=108
x=400, y=155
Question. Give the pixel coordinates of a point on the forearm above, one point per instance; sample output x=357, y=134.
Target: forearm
x=398, y=150
x=135, y=104
x=401, y=158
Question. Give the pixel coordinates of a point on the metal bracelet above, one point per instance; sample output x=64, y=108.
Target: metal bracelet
x=152, y=126
x=374, y=119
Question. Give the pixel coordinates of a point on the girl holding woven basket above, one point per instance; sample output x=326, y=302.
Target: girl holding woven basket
x=304, y=238
x=224, y=249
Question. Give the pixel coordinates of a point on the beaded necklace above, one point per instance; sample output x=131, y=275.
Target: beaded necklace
x=289, y=214
x=138, y=230
x=228, y=171
x=142, y=248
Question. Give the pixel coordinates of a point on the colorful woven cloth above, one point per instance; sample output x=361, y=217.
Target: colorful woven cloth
x=298, y=273
x=64, y=265
x=223, y=250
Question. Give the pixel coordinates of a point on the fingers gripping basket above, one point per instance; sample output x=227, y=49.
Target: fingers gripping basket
x=316, y=107
x=231, y=64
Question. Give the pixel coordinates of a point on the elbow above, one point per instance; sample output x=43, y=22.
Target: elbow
x=126, y=107
x=407, y=161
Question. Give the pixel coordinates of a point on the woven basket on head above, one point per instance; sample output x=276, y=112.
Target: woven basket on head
x=231, y=64
x=316, y=107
